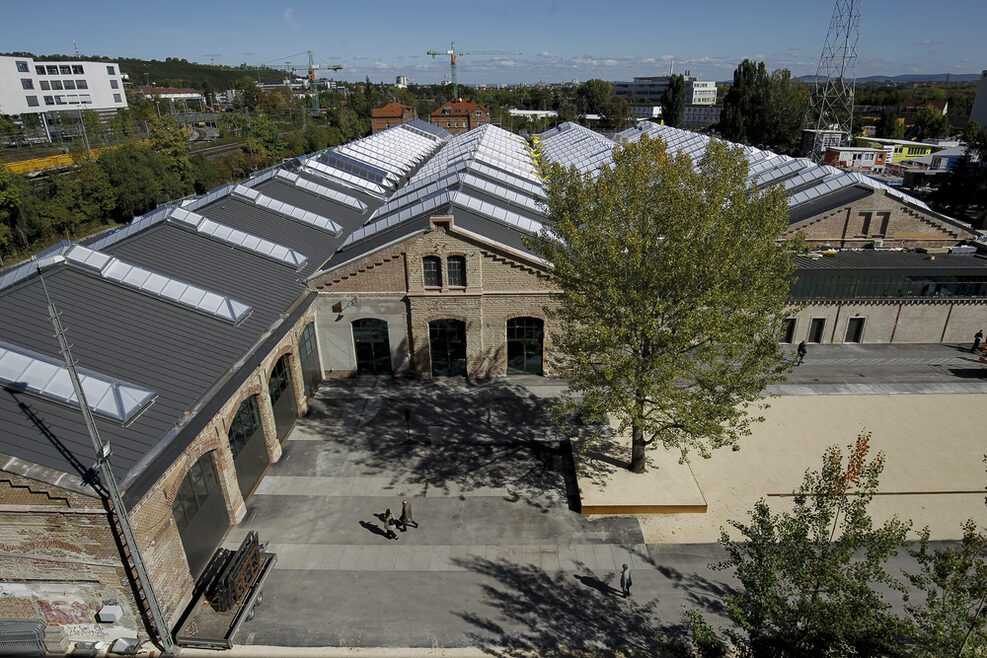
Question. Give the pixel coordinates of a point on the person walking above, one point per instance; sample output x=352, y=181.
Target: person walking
x=388, y=521
x=406, y=516
x=977, y=337
x=625, y=580
x=802, y=350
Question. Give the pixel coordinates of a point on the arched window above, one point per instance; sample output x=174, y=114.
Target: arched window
x=283, y=397
x=200, y=513
x=246, y=437
x=432, y=268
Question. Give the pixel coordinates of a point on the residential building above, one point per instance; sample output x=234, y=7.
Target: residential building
x=392, y=114
x=858, y=158
x=459, y=115
x=697, y=92
x=910, y=108
x=401, y=81
x=29, y=86
x=904, y=150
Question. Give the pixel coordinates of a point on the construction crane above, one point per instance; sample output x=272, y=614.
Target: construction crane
x=290, y=68
x=452, y=52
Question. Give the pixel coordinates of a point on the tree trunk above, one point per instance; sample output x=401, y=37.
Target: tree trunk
x=638, y=463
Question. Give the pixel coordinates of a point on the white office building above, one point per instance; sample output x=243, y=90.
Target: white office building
x=697, y=92
x=32, y=87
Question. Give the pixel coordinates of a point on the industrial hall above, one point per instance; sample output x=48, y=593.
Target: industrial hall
x=202, y=329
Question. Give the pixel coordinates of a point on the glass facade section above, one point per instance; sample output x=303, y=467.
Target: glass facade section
x=881, y=285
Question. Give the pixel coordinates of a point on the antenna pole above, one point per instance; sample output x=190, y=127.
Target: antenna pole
x=109, y=480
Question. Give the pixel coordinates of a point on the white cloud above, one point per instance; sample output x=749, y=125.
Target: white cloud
x=544, y=53
x=380, y=65
x=289, y=19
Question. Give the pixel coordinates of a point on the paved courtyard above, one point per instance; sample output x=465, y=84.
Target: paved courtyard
x=501, y=561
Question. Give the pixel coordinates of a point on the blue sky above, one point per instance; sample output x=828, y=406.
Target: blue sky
x=557, y=40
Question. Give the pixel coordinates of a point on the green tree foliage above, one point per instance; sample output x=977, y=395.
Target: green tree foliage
x=808, y=575
x=593, y=96
x=670, y=284
x=166, y=139
x=617, y=114
x=888, y=125
x=248, y=97
x=10, y=201
x=142, y=179
x=673, y=101
x=951, y=621
x=932, y=123
x=263, y=140
x=764, y=110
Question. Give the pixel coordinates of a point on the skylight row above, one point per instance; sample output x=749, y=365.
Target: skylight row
x=423, y=207
x=237, y=238
x=323, y=170
x=287, y=210
x=496, y=213
x=501, y=192
x=355, y=167
x=157, y=285
x=38, y=374
x=322, y=190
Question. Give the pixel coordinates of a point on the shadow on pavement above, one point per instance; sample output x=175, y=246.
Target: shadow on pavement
x=548, y=614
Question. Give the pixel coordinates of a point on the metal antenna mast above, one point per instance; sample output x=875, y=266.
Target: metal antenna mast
x=829, y=115
x=109, y=480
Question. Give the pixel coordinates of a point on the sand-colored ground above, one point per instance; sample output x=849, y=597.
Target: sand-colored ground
x=933, y=444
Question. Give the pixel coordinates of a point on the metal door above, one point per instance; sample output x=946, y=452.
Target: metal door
x=816, y=328
x=283, y=397
x=308, y=352
x=200, y=513
x=524, y=346
x=250, y=456
x=447, y=340
x=854, y=330
x=373, y=347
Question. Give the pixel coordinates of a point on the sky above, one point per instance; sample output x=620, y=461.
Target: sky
x=549, y=41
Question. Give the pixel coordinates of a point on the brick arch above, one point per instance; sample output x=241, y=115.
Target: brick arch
x=196, y=451
x=254, y=389
x=447, y=316
x=286, y=349
x=515, y=316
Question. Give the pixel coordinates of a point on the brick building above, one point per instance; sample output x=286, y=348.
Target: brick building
x=459, y=115
x=205, y=328
x=392, y=114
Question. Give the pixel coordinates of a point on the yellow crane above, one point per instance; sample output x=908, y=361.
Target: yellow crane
x=452, y=52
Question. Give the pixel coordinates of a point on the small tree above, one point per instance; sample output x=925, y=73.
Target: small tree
x=671, y=284
x=888, y=125
x=673, y=101
x=808, y=575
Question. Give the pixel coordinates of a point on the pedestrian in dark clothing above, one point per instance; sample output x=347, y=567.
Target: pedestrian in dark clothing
x=801, y=353
x=977, y=337
x=625, y=580
x=406, y=516
x=388, y=521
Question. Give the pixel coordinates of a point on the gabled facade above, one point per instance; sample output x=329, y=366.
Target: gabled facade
x=392, y=114
x=459, y=115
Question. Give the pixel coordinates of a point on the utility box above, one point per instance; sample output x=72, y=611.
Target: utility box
x=109, y=614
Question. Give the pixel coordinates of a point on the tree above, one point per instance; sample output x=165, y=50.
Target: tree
x=808, y=575
x=593, y=96
x=743, y=104
x=618, y=114
x=932, y=123
x=888, y=125
x=670, y=283
x=673, y=101
x=764, y=110
x=10, y=201
x=954, y=583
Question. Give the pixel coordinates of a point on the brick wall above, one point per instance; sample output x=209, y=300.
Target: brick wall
x=878, y=217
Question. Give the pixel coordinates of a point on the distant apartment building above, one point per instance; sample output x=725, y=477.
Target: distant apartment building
x=401, y=81
x=28, y=86
x=858, y=158
x=392, y=114
x=697, y=92
x=459, y=115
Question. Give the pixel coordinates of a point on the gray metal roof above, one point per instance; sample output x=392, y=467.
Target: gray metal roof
x=879, y=259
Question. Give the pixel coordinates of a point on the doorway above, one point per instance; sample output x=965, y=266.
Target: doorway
x=447, y=340
x=816, y=328
x=854, y=330
x=524, y=346
x=373, y=347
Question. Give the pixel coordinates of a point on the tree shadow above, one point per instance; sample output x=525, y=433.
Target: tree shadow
x=548, y=614
x=701, y=592
x=450, y=434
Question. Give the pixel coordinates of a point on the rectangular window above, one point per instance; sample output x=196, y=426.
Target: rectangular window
x=77, y=69
x=447, y=124
x=456, y=271
x=110, y=70
x=117, y=99
x=81, y=84
x=60, y=100
x=65, y=69
x=69, y=84
x=884, y=218
x=22, y=67
x=816, y=330
x=788, y=330
x=432, y=268
x=52, y=70
x=114, y=84
x=44, y=85
x=56, y=84
x=27, y=83
x=32, y=101
x=854, y=330
x=865, y=223
x=49, y=100
x=40, y=70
